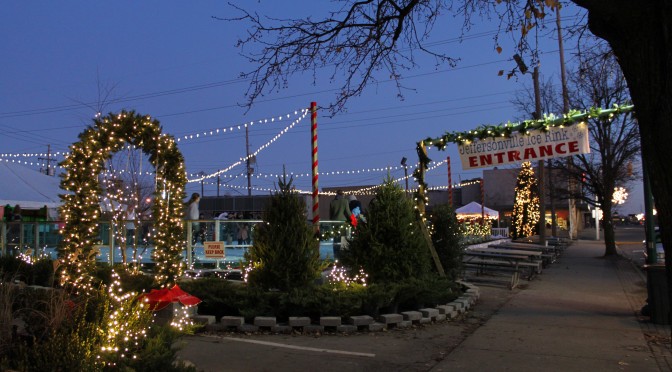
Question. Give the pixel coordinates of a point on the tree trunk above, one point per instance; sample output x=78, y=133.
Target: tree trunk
x=640, y=34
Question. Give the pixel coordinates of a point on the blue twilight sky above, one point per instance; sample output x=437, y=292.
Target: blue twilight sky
x=174, y=61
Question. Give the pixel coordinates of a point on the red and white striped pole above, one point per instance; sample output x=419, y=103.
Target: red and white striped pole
x=316, y=199
x=482, y=203
x=450, y=183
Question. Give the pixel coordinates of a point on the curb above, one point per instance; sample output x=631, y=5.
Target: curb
x=350, y=324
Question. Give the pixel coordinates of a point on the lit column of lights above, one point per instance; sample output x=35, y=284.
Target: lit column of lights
x=254, y=154
x=81, y=207
x=232, y=128
x=526, y=215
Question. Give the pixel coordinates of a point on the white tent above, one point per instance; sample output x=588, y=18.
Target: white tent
x=473, y=209
x=28, y=188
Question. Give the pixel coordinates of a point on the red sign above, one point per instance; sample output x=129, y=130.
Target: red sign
x=214, y=249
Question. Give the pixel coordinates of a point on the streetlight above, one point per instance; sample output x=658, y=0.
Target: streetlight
x=403, y=163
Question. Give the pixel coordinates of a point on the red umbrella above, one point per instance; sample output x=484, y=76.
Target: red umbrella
x=157, y=299
x=185, y=298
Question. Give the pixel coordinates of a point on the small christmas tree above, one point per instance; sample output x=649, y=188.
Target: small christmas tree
x=526, y=206
x=285, y=253
x=389, y=247
x=447, y=239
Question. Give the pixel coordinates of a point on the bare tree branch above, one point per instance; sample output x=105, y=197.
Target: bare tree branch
x=364, y=41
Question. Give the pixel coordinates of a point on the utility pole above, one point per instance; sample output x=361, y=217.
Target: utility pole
x=247, y=152
x=49, y=160
x=542, y=186
x=571, y=206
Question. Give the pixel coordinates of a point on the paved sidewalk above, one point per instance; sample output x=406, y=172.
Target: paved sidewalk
x=581, y=314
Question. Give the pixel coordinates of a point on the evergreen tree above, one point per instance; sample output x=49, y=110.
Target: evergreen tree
x=285, y=253
x=389, y=247
x=526, y=205
x=447, y=240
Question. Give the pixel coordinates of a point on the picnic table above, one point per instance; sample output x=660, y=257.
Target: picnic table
x=493, y=260
x=549, y=254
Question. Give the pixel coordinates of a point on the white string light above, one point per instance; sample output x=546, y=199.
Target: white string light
x=230, y=129
x=244, y=159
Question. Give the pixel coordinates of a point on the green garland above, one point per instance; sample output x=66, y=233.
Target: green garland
x=81, y=206
x=503, y=130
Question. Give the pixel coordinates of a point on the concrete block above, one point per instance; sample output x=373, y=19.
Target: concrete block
x=404, y=324
x=232, y=321
x=411, y=315
x=346, y=328
x=440, y=317
x=361, y=320
x=466, y=305
x=264, y=321
x=299, y=321
x=376, y=327
x=330, y=321
x=457, y=306
x=425, y=320
x=444, y=309
x=429, y=313
x=251, y=328
x=203, y=319
x=390, y=318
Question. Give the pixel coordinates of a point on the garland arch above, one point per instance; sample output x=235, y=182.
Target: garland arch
x=81, y=210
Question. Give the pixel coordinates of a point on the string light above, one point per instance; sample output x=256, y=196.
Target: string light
x=254, y=154
x=232, y=128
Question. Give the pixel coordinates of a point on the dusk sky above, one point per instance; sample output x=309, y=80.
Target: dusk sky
x=174, y=61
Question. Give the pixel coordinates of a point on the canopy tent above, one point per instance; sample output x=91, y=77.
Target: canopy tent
x=28, y=188
x=474, y=209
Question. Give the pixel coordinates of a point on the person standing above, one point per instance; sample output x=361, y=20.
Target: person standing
x=193, y=215
x=339, y=210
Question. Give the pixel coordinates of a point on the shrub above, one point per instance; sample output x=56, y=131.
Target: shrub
x=447, y=240
x=285, y=253
x=389, y=246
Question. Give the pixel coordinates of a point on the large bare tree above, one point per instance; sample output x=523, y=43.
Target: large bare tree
x=615, y=143
x=597, y=81
x=369, y=35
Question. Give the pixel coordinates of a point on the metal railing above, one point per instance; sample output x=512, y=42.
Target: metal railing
x=133, y=241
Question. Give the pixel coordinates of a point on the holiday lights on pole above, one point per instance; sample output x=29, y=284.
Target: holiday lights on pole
x=526, y=213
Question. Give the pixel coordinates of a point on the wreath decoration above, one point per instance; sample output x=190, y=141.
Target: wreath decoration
x=81, y=210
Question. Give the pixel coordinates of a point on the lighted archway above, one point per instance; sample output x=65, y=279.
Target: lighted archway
x=81, y=206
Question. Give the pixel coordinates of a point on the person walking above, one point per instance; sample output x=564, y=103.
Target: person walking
x=339, y=210
x=193, y=215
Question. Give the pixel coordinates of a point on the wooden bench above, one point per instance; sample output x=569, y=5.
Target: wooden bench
x=495, y=263
x=550, y=254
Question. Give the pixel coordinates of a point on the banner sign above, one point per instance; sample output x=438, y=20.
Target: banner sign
x=557, y=142
x=214, y=250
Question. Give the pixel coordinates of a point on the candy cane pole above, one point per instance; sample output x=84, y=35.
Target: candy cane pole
x=316, y=199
